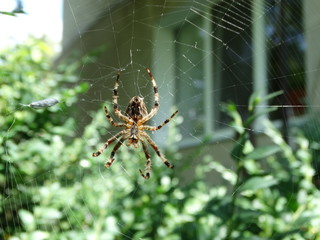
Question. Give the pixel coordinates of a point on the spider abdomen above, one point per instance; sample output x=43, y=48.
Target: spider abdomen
x=136, y=109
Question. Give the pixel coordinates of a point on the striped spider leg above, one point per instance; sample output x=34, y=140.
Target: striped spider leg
x=115, y=137
x=115, y=102
x=156, y=99
x=154, y=146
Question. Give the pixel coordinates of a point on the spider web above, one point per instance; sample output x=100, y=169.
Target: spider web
x=202, y=54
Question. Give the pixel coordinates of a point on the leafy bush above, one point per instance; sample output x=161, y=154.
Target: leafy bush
x=51, y=187
x=33, y=140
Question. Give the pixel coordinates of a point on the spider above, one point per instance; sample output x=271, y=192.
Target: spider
x=136, y=115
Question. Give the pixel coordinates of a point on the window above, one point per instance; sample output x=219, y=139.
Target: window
x=286, y=47
x=190, y=77
x=233, y=78
x=209, y=72
x=248, y=51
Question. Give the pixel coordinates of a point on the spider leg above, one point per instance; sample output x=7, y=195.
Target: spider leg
x=115, y=102
x=115, y=148
x=156, y=149
x=152, y=128
x=111, y=120
x=108, y=142
x=148, y=164
x=156, y=99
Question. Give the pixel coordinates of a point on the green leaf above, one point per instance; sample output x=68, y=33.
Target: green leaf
x=263, y=152
x=272, y=95
x=48, y=213
x=260, y=113
x=39, y=235
x=285, y=234
x=256, y=183
x=252, y=237
x=248, y=215
x=27, y=219
x=253, y=101
x=8, y=13
x=226, y=173
x=237, y=151
x=231, y=110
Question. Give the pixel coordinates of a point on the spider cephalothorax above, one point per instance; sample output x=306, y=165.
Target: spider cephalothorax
x=135, y=116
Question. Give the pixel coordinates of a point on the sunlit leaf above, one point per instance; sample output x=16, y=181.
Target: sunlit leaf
x=237, y=151
x=252, y=118
x=263, y=152
x=48, y=213
x=272, y=95
x=253, y=101
x=27, y=219
x=8, y=13
x=285, y=234
x=256, y=183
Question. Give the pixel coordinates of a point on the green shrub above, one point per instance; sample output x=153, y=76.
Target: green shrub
x=33, y=141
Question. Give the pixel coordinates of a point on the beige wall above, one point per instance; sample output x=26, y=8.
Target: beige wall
x=114, y=31
x=117, y=27
x=111, y=32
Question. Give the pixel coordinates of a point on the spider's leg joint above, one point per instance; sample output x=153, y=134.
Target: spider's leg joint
x=169, y=165
x=109, y=162
x=96, y=154
x=155, y=89
x=147, y=176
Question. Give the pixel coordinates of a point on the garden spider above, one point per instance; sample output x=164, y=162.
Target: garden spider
x=134, y=118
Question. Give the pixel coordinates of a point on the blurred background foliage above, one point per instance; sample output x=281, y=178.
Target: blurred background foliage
x=51, y=187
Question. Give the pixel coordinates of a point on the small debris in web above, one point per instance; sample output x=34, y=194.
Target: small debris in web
x=48, y=102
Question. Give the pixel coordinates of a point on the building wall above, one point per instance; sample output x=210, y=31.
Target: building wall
x=119, y=33
x=80, y=15
x=125, y=32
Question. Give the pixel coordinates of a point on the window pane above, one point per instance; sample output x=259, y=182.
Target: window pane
x=189, y=81
x=233, y=78
x=286, y=45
